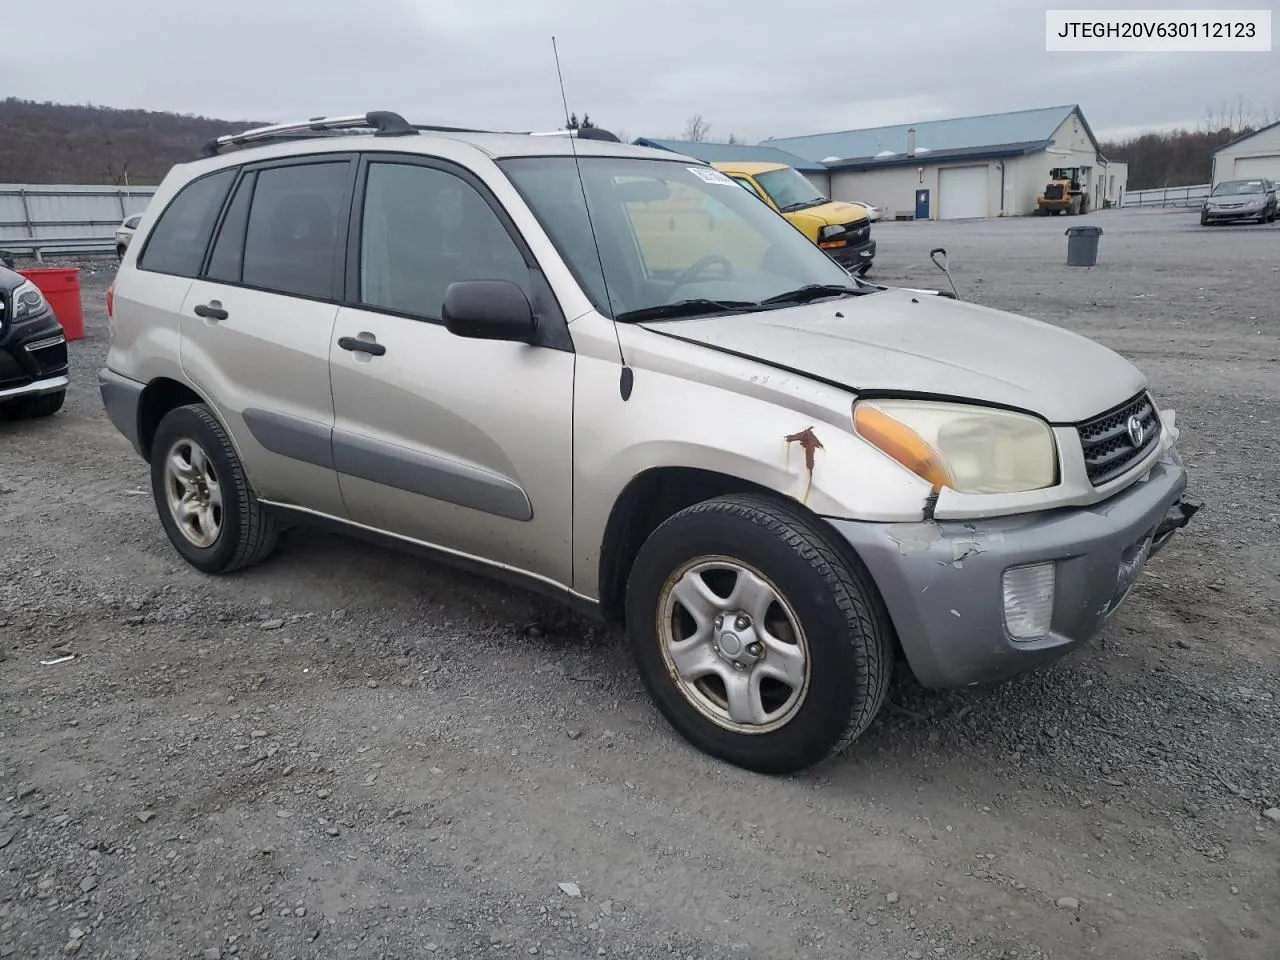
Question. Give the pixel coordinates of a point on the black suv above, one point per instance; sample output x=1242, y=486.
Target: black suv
x=33, y=351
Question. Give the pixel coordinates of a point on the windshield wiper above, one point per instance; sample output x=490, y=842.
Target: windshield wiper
x=802, y=204
x=814, y=291
x=684, y=308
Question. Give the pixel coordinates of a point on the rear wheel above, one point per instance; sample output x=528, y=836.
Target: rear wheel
x=760, y=641
x=203, y=497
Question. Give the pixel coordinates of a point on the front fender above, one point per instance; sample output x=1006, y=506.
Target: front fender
x=698, y=409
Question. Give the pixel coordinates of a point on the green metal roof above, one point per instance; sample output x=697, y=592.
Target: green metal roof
x=934, y=136
x=730, y=152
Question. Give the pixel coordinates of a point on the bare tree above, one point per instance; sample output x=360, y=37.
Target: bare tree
x=732, y=139
x=1240, y=115
x=696, y=128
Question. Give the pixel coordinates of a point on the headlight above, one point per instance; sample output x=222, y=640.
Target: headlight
x=28, y=301
x=830, y=232
x=969, y=448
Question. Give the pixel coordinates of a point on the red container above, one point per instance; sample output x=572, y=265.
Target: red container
x=61, y=287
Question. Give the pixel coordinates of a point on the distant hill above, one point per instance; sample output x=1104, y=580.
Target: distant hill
x=55, y=143
x=1175, y=159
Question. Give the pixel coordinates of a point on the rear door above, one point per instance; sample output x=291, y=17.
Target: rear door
x=463, y=444
x=152, y=283
x=257, y=324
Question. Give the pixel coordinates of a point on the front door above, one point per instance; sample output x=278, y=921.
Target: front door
x=458, y=443
x=258, y=322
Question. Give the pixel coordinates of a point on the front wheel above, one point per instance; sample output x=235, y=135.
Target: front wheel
x=203, y=496
x=760, y=641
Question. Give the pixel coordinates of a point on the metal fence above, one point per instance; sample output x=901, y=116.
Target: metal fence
x=1168, y=196
x=38, y=219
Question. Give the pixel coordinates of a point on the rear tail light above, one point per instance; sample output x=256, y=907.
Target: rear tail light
x=111, y=301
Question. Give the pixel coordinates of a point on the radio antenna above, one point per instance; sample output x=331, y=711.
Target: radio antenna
x=627, y=378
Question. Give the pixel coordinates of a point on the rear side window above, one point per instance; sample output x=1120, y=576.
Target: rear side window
x=228, y=250
x=181, y=235
x=132, y=222
x=292, y=236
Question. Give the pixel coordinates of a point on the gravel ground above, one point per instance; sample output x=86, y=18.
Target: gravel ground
x=347, y=752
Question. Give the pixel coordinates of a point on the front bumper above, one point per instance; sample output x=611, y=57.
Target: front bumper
x=943, y=581
x=33, y=358
x=1239, y=213
x=855, y=256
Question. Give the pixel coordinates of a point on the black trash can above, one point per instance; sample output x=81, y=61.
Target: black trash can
x=1082, y=246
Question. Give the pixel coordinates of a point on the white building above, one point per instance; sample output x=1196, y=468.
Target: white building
x=1254, y=155
x=988, y=166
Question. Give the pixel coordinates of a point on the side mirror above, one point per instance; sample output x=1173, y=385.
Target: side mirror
x=488, y=310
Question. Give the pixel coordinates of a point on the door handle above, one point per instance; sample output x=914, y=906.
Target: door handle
x=357, y=345
x=211, y=311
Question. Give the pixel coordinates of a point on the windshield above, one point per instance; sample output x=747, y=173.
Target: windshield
x=673, y=239
x=789, y=189
x=1234, y=188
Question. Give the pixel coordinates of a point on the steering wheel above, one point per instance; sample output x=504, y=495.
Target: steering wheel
x=700, y=266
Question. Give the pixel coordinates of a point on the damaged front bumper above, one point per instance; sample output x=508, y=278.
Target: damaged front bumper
x=946, y=586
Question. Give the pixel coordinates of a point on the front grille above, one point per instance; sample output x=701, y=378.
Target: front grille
x=1053, y=191
x=1107, y=441
x=859, y=235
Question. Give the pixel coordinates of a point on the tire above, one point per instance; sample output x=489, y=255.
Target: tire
x=34, y=408
x=1204, y=221
x=844, y=636
x=230, y=534
x=119, y=251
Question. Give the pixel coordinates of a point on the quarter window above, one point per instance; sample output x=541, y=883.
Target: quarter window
x=423, y=229
x=228, y=250
x=181, y=235
x=291, y=241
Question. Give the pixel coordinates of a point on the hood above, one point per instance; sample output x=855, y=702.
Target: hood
x=833, y=212
x=10, y=279
x=901, y=342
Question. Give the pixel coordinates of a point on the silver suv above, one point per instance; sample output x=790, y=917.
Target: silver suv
x=610, y=374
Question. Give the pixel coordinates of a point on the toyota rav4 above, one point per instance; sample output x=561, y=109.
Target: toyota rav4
x=518, y=353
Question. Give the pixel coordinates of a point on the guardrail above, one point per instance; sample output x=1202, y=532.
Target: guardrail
x=39, y=219
x=1190, y=196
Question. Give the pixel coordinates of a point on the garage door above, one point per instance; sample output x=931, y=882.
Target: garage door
x=1249, y=167
x=962, y=192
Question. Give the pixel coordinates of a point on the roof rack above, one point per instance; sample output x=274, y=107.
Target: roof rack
x=383, y=123
x=582, y=133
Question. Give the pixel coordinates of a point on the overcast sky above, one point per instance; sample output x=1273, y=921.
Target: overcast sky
x=756, y=68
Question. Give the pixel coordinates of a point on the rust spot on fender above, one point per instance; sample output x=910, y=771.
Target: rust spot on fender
x=810, y=444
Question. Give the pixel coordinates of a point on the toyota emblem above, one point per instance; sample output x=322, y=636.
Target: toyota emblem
x=1137, y=432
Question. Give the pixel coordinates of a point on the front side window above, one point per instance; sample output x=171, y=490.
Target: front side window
x=292, y=236
x=746, y=182
x=789, y=189
x=180, y=237
x=422, y=229
x=660, y=232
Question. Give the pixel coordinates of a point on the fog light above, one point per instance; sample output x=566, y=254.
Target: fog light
x=1028, y=600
